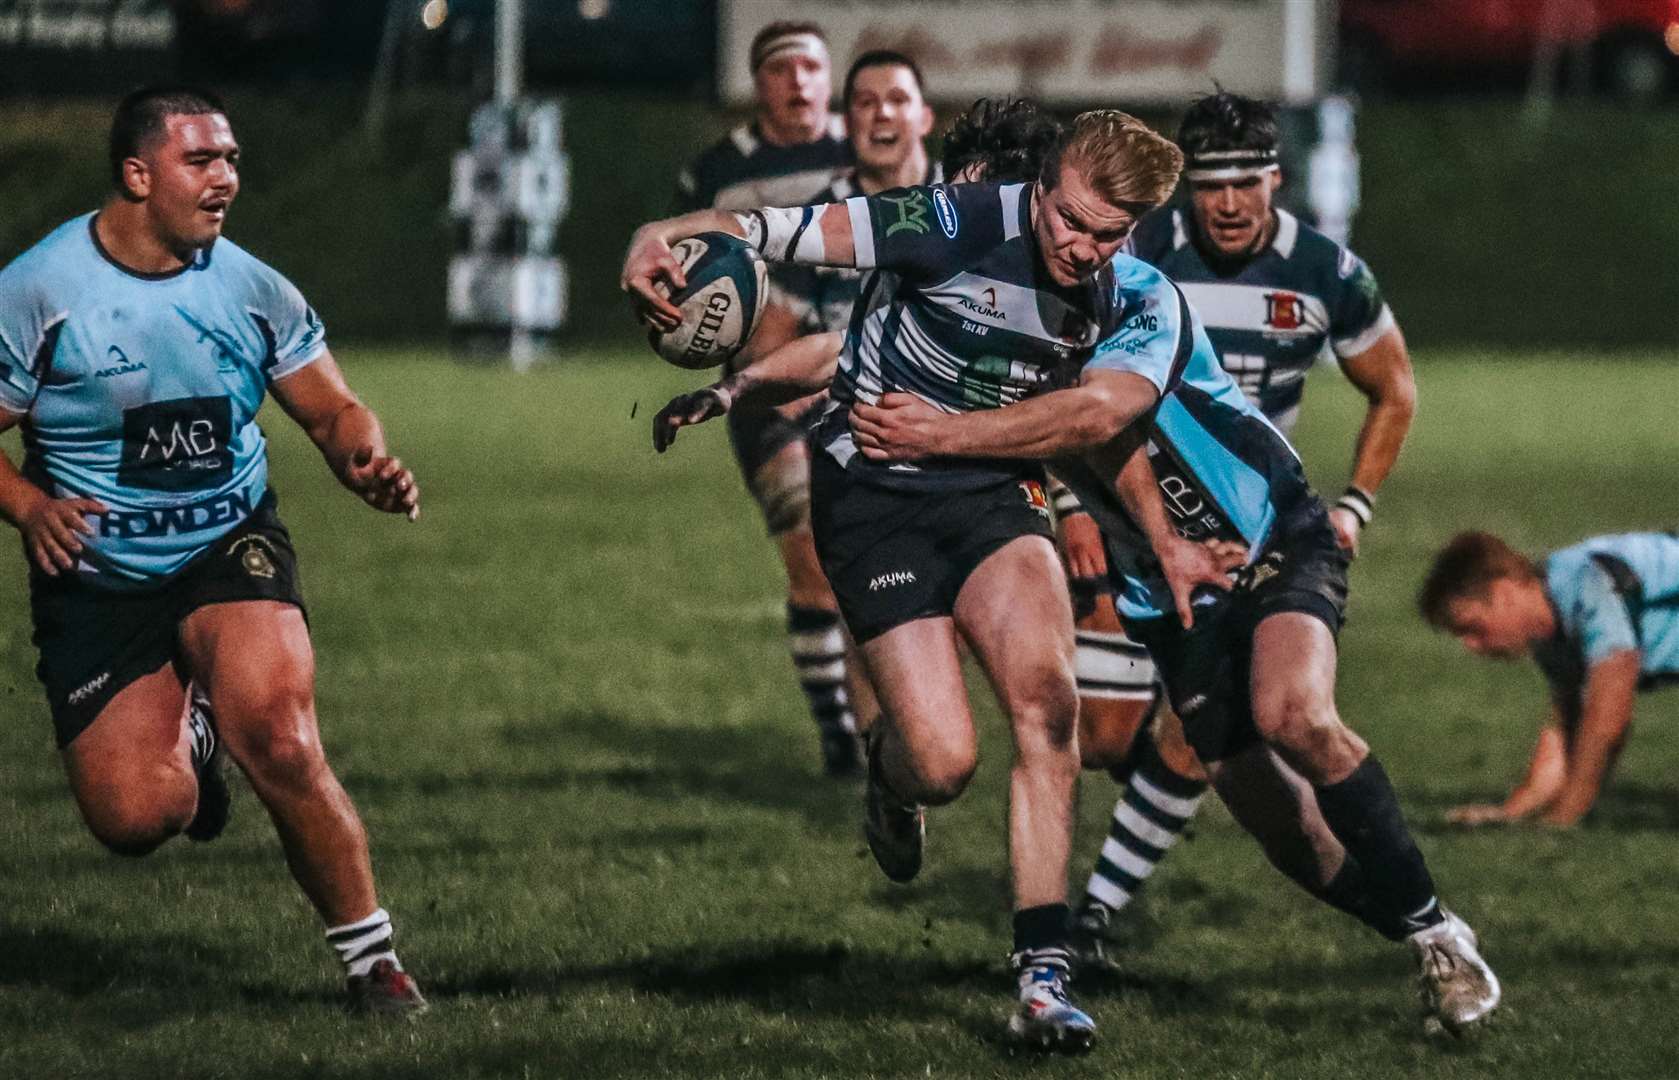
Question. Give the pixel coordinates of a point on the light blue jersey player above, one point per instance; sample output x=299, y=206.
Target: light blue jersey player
x=136, y=346
x=141, y=391
x=1601, y=620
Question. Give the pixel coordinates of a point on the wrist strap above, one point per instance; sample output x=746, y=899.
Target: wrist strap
x=1357, y=502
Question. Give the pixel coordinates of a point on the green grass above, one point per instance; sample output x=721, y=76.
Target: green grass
x=562, y=704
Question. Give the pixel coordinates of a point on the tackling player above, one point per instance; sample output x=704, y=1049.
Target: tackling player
x=1274, y=294
x=1600, y=618
x=791, y=150
x=980, y=292
x=136, y=345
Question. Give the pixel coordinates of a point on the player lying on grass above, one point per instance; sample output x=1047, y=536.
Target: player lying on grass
x=1253, y=675
x=981, y=292
x=136, y=346
x=1601, y=619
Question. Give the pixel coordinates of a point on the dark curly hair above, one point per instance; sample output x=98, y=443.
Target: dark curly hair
x=1226, y=121
x=1008, y=137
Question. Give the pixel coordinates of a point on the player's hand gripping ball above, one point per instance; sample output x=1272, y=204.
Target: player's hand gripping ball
x=721, y=303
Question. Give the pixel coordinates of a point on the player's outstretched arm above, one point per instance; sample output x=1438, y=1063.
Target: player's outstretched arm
x=52, y=528
x=1605, y=715
x=349, y=436
x=1383, y=375
x=797, y=369
x=1538, y=789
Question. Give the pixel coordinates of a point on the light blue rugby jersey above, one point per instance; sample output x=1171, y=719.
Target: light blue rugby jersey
x=142, y=391
x=1224, y=471
x=1610, y=594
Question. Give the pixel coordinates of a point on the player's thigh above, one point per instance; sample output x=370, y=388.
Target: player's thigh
x=916, y=673
x=255, y=659
x=1015, y=612
x=1293, y=687
x=1116, y=686
x=133, y=761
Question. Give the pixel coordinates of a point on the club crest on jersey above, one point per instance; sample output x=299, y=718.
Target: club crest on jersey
x=946, y=211
x=1283, y=311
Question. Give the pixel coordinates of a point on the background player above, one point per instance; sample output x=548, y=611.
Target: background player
x=1274, y=294
x=793, y=148
x=135, y=348
x=1600, y=618
x=980, y=292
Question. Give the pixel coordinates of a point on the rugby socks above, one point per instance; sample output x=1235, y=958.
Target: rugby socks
x=1363, y=813
x=363, y=943
x=818, y=645
x=1147, y=821
x=1041, y=929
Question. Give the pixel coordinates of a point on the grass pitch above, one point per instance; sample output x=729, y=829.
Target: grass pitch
x=563, y=705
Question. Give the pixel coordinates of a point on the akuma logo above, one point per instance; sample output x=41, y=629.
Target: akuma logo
x=946, y=211
x=122, y=366
x=891, y=578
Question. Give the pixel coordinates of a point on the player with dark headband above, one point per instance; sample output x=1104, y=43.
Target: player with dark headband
x=1274, y=295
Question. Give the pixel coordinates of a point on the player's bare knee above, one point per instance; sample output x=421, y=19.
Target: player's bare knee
x=1044, y=709
x=943, y=773
x=1308, y=732
x=137, y=821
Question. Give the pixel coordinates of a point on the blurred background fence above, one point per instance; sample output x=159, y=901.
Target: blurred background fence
x=1483, y=225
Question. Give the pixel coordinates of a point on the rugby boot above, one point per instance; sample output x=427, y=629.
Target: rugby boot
x=215, y=799
x=1458, y=988
x=386, y=990
x=1087, y=937
x=896, y=830
x=1045, y=1018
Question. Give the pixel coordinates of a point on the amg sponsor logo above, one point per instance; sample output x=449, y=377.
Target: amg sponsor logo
x=891, y=578
x=705, y=335
x=178, y=445
x=89, y=688
x=131, y=524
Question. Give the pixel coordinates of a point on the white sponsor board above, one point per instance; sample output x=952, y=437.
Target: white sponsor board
x=1074, y=52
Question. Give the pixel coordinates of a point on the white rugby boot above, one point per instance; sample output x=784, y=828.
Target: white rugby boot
x=1046, y=1019
x=1457, y=986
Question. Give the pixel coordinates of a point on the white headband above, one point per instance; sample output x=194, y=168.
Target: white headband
x=1229, y=172
x=802, y=43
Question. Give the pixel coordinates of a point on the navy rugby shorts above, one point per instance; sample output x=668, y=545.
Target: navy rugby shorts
x=93, y=642
x=895, y=556
x=1206, y=669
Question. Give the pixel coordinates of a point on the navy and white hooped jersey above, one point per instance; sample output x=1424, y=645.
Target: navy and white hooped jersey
x=1611, y=594
x=960, y=312
x=742, y=170
x=1271, y=320
x=1224, y=471
x=833, y=289
x=142, y=391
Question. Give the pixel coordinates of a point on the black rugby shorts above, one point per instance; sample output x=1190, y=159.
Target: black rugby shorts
x=895, y=556
x=1207, y=669
x=94, y=642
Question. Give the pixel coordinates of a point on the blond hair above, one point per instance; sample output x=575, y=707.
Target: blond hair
x=1126, y=163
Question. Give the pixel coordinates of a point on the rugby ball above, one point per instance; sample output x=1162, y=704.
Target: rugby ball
x=720, y=305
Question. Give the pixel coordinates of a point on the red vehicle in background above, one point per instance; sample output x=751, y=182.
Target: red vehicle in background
x=1632, y=45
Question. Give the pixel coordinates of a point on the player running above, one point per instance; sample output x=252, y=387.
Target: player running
x=136, y=345
x=1251, y=674
x=793, y=148
x=980, y=292
x=1600, y=618
x=1274, y=294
